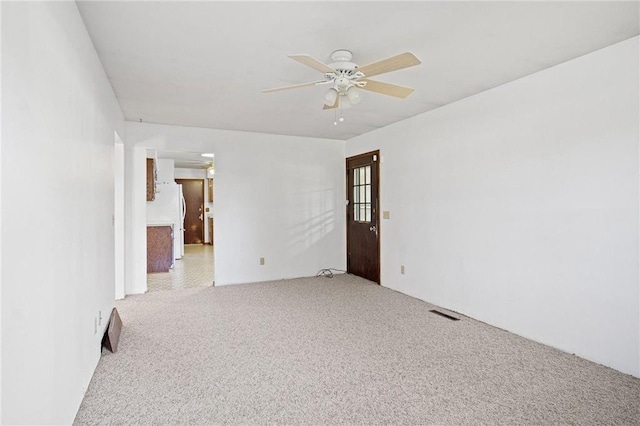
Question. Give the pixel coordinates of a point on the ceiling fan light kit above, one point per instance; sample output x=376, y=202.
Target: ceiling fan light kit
x=331, y=96
x=346, y=79
x=355, y=95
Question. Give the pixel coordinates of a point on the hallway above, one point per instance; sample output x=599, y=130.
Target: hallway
x=194, y=270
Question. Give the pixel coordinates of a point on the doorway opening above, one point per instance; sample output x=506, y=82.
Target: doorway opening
x=182, y=180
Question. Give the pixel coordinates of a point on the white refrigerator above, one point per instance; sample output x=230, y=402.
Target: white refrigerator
x=169, y=207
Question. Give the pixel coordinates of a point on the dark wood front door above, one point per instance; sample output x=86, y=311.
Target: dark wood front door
x=193, y=192
x=363, y=242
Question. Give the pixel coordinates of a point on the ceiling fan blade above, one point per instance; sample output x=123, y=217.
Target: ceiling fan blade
x=313, y=63
x=293, y=86
x=404, y=60
x=386, y=88
x=335, y=104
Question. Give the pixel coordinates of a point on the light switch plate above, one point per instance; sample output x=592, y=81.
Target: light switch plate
x=386, y=214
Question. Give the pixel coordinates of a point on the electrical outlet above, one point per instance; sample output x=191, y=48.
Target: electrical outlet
x=262, y=260
x=402, y=269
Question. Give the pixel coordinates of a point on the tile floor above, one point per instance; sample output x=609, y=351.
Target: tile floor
x=195, y=269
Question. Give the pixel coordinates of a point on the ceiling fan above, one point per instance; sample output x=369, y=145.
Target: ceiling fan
x=345, y=79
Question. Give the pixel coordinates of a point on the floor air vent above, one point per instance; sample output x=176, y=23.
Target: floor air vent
x=442, y=314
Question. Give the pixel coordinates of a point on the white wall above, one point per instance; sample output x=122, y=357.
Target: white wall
x=135, y=177
x=161, y=209
x=59, y=116
x=190, y=173
x=278, y=197
x=165, y=170
x=1, y=142
x=520, y=206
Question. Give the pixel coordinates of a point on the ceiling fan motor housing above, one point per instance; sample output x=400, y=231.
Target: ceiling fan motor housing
x=346, y=71
x=341, y=55
x=342, y=62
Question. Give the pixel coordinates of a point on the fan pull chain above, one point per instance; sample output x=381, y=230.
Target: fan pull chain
x=335, y=112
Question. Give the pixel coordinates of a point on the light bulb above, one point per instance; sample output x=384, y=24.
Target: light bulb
x=344, y=104
x=355, y=95
x=335, y=123
x=330, y=97
x=341, y=119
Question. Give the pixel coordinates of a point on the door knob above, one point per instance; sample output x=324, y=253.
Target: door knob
x=373, y=228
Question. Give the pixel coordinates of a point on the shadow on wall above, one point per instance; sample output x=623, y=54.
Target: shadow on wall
x=313, y=220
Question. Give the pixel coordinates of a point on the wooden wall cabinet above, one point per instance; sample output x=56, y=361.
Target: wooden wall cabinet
x=151, y=179
x=159, y=248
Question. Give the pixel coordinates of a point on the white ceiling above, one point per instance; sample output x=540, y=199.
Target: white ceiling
x=204, y=63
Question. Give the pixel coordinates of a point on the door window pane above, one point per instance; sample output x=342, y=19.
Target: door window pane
x=362, y=194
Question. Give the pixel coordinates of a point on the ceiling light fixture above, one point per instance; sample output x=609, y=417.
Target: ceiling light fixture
x=207, y=155
x=355, y=95
x=330, y=96
x=346, y=79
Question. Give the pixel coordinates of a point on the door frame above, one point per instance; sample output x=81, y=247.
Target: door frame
x=119, y=217
x=375, y=212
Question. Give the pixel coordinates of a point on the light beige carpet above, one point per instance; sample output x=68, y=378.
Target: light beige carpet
x=340, y=350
